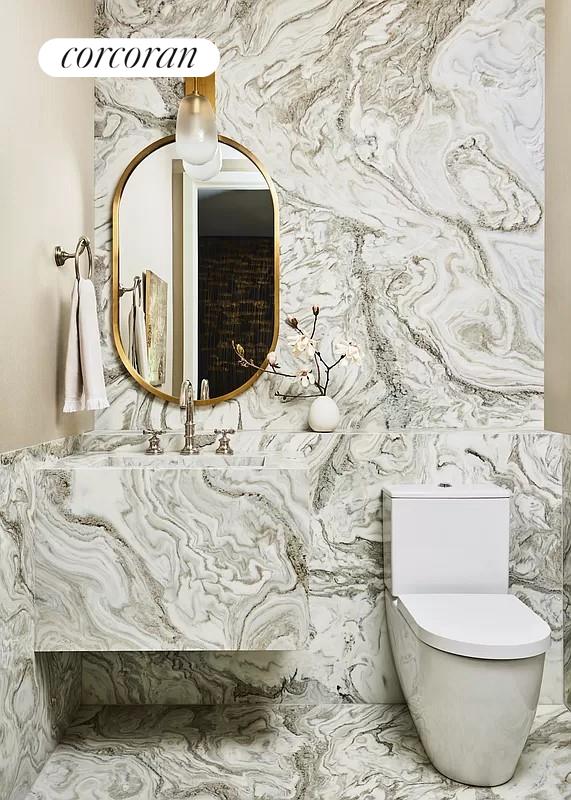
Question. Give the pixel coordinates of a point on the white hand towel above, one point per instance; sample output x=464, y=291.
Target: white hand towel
x=84, y=380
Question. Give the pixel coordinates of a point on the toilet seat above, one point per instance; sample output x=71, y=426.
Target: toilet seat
x=489, y=626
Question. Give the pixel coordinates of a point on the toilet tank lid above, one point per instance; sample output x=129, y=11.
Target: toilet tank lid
x=438, y=491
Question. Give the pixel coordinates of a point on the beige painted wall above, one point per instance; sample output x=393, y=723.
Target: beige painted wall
x=558, y=217
x=46, y=186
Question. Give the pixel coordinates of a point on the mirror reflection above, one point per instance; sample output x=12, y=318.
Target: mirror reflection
x=196, y=268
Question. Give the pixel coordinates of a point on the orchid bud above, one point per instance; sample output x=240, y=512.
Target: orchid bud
x=315, y=310
x=292, y=322
x=272, y=358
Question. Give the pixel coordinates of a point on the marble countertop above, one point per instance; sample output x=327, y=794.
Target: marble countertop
x=138, y=459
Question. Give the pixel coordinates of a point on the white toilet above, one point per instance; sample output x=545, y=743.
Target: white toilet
x=469, y=656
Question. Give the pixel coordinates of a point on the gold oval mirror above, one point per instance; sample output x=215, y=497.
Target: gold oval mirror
x=195, y=267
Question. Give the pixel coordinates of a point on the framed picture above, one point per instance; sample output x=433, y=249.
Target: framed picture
x=156, y=291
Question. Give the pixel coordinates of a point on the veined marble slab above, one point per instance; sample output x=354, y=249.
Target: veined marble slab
x=405, y=141
x=38, y=694
x=348, y=659
x=137, y=558
x=268, y=753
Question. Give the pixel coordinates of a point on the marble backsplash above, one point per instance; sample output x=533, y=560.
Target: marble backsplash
x=349, y=658
x=38, y=694
x=406, y=144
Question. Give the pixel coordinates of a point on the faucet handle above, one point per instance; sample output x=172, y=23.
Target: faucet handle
x=224, y=443
x=154, y=447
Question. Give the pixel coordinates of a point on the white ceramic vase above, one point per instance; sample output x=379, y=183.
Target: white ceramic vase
x=324, y=415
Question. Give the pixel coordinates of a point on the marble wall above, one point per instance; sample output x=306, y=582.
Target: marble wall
x=38, y=694
x=348, y=659
x=405, y=142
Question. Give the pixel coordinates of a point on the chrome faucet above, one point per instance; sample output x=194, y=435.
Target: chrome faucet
x=187, y=402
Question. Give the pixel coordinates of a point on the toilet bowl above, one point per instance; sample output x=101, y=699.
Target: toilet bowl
x=469, y=656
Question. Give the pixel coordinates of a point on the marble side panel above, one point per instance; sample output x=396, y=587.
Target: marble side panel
x=566, y=448
x=172, y=559
x=348, y=659
x=38, y=694
x=268, y=753
x=406, y=144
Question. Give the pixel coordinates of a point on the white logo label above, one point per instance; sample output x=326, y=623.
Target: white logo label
x=128, y=58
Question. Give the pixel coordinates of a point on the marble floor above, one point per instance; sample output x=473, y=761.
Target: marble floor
x=342, y=752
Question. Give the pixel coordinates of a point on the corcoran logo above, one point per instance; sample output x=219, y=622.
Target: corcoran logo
x=128, y=58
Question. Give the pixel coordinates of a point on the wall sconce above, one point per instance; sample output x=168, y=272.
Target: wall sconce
x=196, y=133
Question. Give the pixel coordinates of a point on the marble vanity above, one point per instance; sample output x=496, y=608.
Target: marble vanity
x=150, y=553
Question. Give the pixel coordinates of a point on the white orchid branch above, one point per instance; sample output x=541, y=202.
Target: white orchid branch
x=304, y=345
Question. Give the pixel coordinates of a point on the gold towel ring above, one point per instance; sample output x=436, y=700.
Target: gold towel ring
x=83, y=244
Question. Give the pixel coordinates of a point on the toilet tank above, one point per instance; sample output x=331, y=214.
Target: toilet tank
x=442, y=538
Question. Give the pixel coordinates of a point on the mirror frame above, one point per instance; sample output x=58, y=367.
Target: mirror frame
x=133, y=164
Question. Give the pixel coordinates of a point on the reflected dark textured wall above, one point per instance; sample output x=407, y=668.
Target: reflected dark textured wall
x=236, y=302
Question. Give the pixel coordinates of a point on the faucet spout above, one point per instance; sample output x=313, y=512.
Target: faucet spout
x=187, y=403
x=187, y=398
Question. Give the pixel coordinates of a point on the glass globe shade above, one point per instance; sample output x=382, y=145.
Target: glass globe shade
x=196, y=134
x=204, y=172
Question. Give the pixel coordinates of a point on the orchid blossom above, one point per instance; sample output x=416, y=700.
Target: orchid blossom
x=305, y=345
